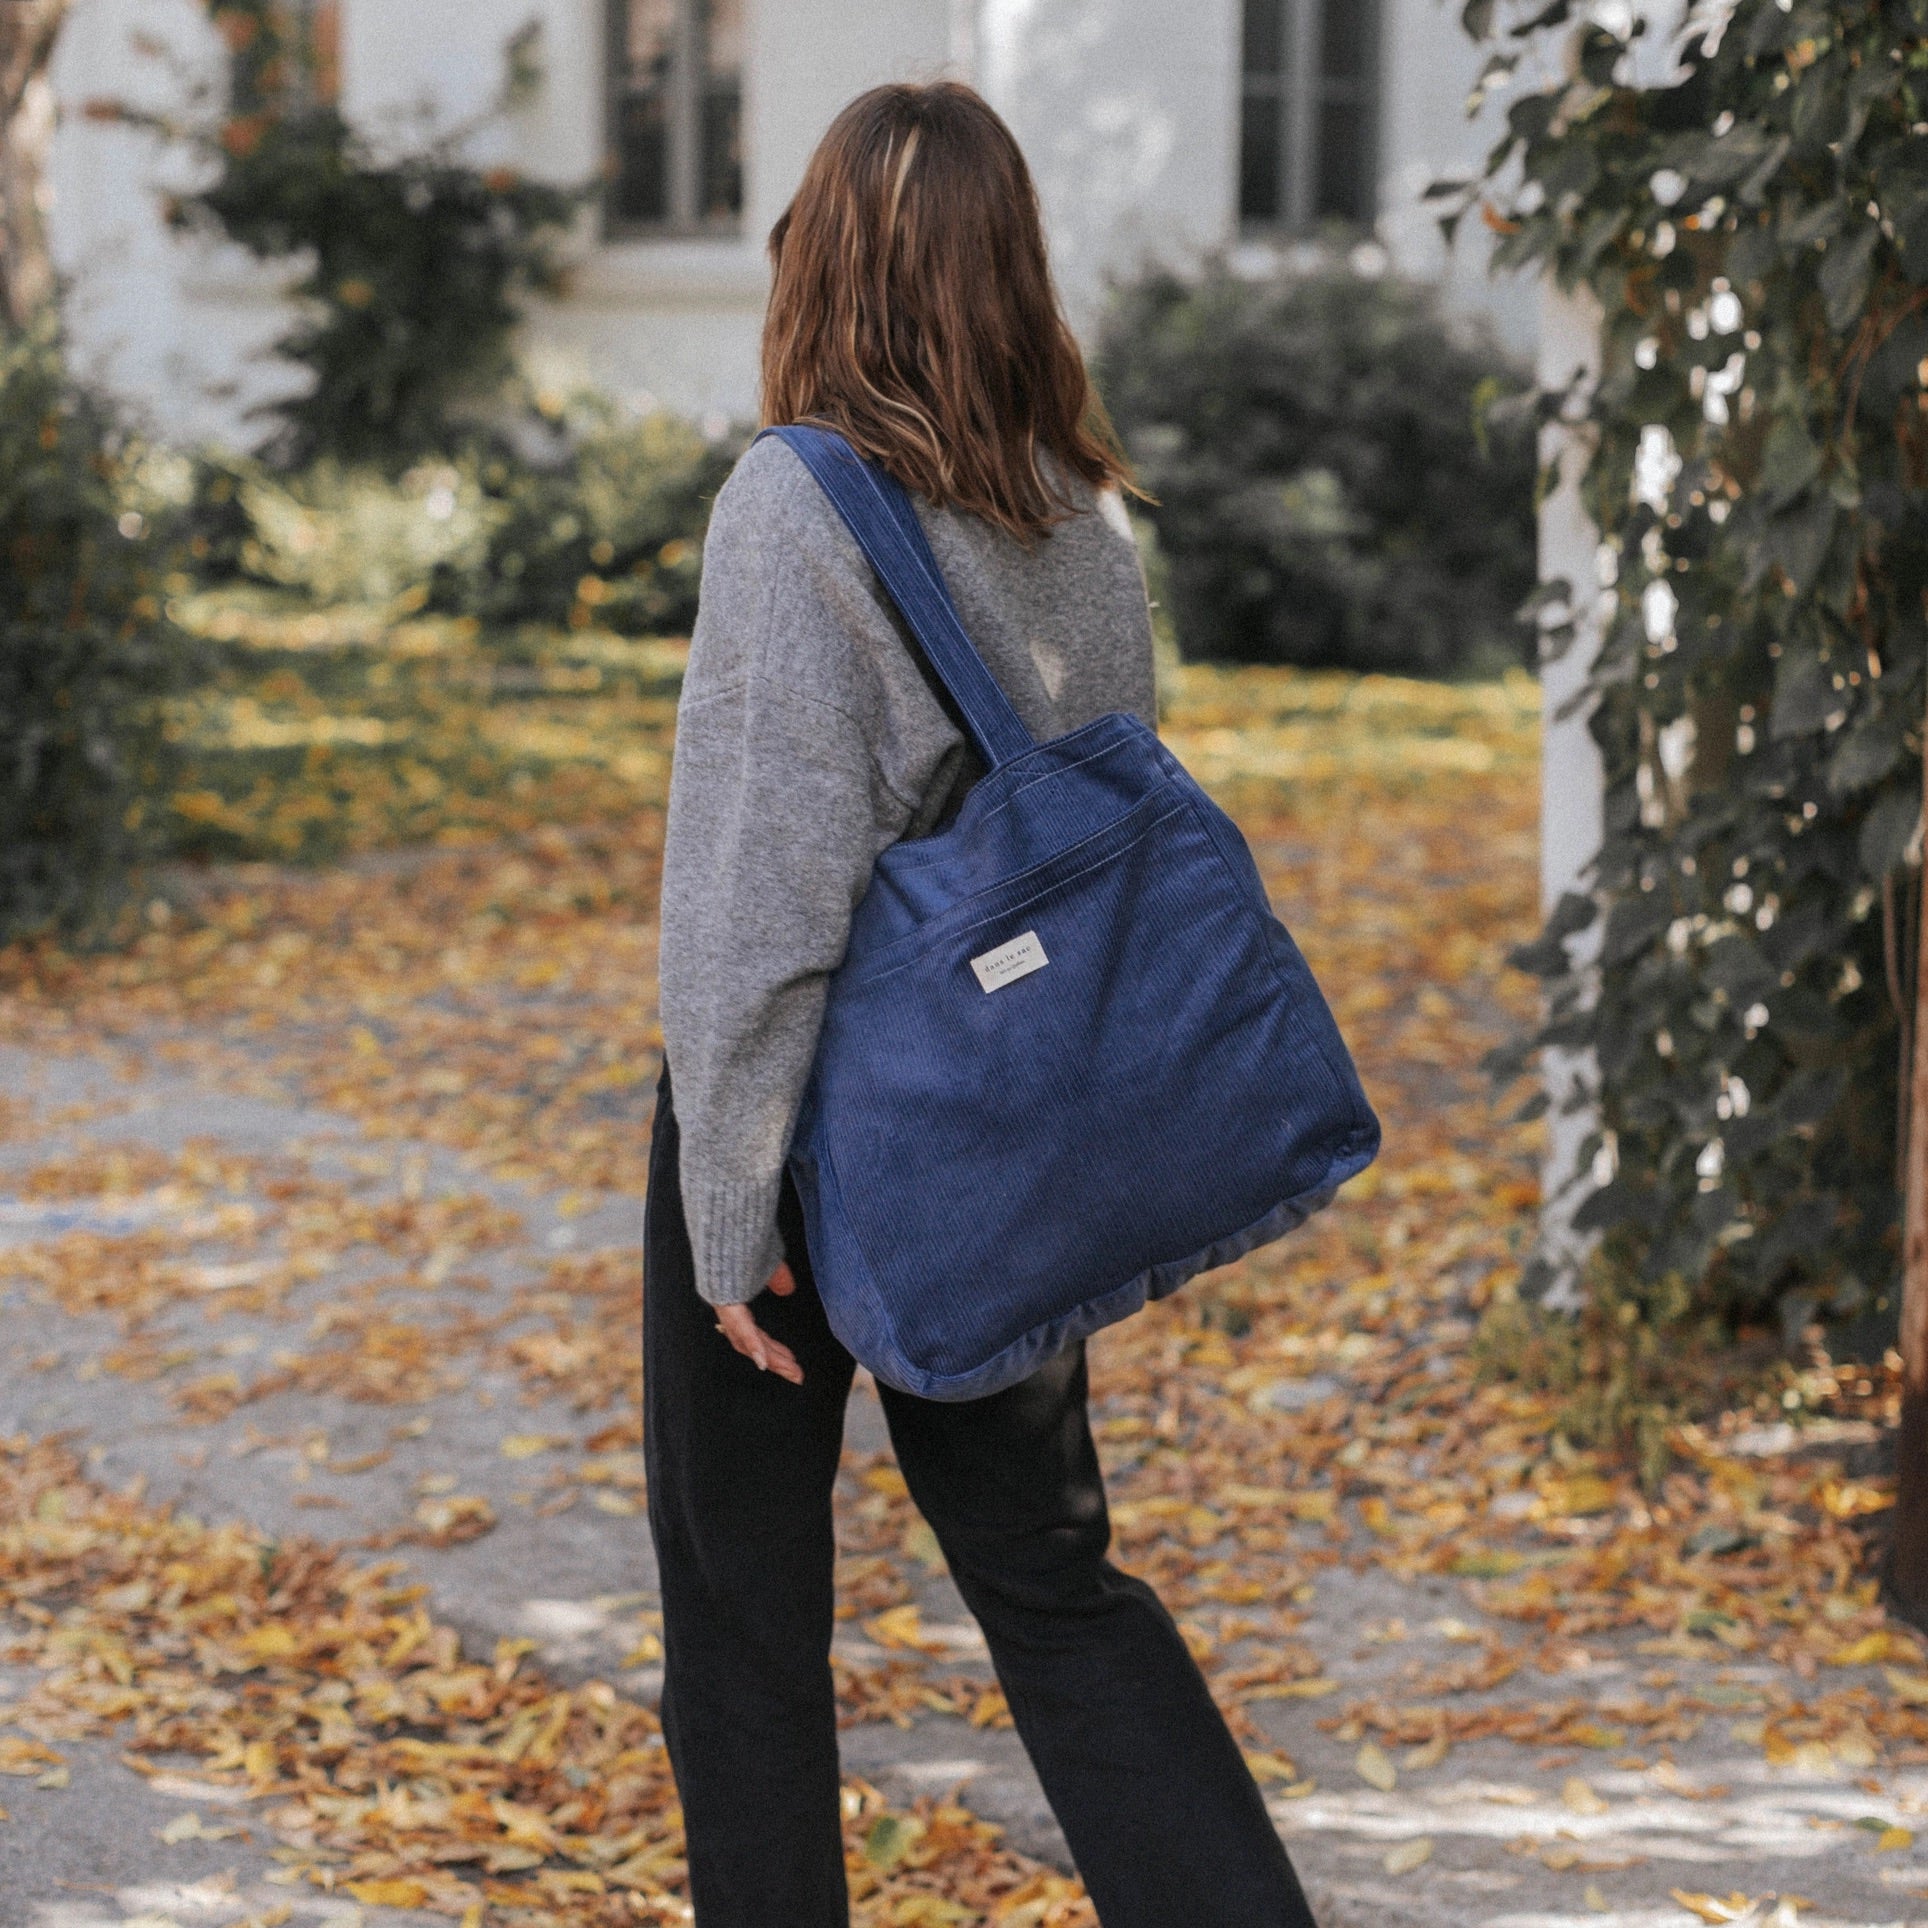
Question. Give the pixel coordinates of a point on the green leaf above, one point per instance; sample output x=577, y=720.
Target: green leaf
x=1802, y=230
x=1803, y=694
x=1866, y=754
x=1845, y=273
x=1789, y=463
x=891, y=1837
x=1754, y=252
x=1901, y=186
x=1753, y=190
x=1887, y=831
x=1716, y=1538
x=1726, y=158
x=1798, y=542
x=1873, y=80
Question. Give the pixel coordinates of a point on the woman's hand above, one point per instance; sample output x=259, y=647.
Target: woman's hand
x=738, y=1325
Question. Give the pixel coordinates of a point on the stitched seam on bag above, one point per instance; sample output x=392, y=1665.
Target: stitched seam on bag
x=954, y=915
x=1199, y=803
x=934, y=849
x=870, y=1298
x=1045, y=776
x=942, y=930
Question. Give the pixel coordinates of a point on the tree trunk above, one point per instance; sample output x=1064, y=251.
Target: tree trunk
x=28, y=30
x=1908, y=1567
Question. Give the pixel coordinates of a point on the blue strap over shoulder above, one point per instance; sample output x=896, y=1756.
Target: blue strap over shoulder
x=879, y=515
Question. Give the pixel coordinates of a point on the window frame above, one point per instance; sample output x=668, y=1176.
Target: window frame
x=684, y=221
x=1300, y=94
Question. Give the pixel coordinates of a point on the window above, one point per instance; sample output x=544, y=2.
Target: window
x=1308, y=124
x=675, y=116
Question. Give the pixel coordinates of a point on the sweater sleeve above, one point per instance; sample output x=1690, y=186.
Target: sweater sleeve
x=779, y=807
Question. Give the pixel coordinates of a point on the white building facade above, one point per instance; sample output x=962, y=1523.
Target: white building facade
x=1160, y=131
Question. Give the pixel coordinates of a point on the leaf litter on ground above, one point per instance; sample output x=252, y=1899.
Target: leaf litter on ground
x=1322, y=1406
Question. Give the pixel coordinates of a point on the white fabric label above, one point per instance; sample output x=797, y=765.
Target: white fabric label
x=1009, y=962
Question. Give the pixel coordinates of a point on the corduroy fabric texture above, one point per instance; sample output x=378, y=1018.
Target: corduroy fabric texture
x=1070, y=1058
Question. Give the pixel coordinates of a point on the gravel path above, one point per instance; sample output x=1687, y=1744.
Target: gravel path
x=117, y=1150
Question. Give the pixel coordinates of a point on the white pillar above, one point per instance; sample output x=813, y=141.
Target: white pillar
x=1572, y=779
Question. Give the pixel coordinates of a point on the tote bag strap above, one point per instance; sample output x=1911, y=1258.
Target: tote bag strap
x=879, y=515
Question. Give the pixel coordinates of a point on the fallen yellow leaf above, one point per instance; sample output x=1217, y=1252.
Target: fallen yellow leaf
x=389, y=1894
x=1580, y=1796
x=271, y=1642
x=1871, y=1647
x=1374, y=1766
x=1409, y=1855
x=190, y=1827
x=21, y=1756
x=1583, y=1494
x=1711, y=1908
x=903, y=1628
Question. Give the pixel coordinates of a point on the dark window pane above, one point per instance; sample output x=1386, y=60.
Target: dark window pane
x=719, y=190
x=1265, y=36
x=1345, y=39
x=1261, y=157
x=675, y=113
x=644, y=51
x=640, y=191
x=722, y=155
x=1346, y=189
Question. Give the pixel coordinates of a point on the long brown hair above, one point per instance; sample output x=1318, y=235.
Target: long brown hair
x=913, y=311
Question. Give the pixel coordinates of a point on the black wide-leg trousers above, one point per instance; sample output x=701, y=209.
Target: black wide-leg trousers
x=1163, y=1819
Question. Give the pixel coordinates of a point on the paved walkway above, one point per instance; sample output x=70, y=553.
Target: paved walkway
x=320, y=1211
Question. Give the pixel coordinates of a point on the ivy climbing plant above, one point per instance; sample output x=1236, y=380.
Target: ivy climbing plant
x=1754, y=226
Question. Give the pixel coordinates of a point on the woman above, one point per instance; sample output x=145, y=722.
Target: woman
x=912, y=311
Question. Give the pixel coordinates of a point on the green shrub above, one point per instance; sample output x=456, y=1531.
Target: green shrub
x=613, y=535
x=335, y=533
x=86, y=653
x=609, y=532
x=1333, y=486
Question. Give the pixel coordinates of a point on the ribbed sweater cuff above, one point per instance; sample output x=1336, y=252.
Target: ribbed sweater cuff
x=733, y=1232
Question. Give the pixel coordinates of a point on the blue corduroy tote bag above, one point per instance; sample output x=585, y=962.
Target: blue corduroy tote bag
x=1070, y=1059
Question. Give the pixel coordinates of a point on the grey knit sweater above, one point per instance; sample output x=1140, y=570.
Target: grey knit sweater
x=807, y=743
